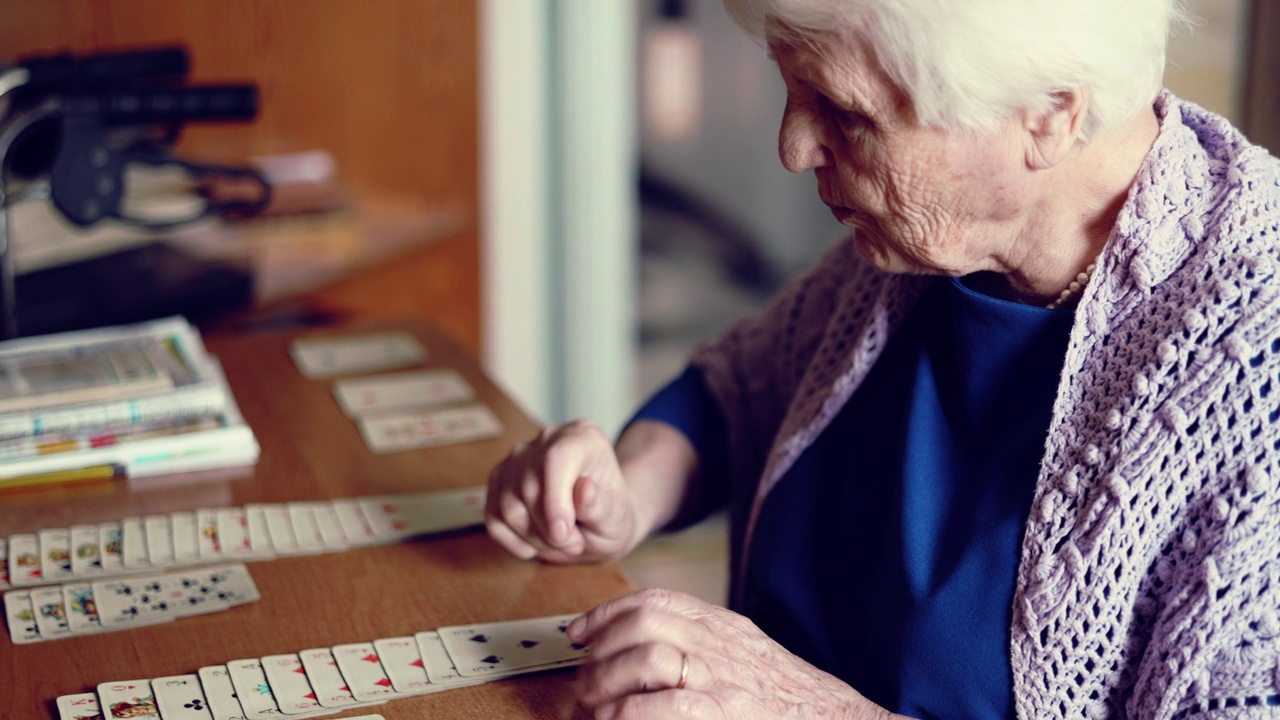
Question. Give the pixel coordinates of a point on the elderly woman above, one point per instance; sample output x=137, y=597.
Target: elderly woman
x=1012, y=448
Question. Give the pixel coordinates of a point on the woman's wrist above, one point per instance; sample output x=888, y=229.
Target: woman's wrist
x=658, y=464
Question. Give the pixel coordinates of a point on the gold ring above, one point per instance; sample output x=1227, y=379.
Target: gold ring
x=684, y=671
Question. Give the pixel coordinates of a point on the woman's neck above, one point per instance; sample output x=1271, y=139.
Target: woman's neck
x=1075, y=209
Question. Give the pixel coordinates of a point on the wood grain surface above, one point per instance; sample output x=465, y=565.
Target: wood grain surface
x=388, y=87
x=311, y=451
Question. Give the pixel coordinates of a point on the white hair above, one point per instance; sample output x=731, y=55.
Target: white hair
x=968, y=64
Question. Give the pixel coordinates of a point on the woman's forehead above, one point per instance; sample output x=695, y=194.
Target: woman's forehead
x=840, y=61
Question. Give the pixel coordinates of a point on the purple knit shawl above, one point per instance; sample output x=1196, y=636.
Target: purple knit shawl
x=1149, y=578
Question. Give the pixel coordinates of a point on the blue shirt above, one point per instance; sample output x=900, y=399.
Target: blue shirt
x=887, y=554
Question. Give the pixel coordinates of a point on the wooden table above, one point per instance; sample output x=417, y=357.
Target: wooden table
x=311, y=451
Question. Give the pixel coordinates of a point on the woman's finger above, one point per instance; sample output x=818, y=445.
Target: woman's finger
x=510, y=520
x=643, y=668
x=647, y=613
x=599, y=511
x=565, y=464
x=509, y=539
x=674, y=704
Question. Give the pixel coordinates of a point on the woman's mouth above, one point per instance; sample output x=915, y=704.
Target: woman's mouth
x=847, y=216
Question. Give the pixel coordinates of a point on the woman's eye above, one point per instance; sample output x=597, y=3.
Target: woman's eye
x=847, y=119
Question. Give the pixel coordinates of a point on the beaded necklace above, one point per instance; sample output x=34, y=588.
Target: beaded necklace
x=1071, y=291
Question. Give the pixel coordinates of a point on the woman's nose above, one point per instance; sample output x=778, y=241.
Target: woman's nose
x=802, y=145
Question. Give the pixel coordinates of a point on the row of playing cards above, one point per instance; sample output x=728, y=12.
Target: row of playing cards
x=403, y=411
x=212, y=535
x=320, y=681
x=398, y=411
x=52, y=613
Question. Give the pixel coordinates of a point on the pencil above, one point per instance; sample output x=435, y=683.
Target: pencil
x=96, y=472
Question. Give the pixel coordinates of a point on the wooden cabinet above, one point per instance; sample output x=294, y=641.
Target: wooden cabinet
x=388, y=87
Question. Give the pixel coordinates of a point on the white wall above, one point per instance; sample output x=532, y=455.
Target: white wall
x=558, y=189
x=1206, y=60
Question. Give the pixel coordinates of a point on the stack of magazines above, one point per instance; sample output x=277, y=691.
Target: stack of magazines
x=134, y=400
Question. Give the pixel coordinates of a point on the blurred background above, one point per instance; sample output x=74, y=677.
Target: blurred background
x=579, y=191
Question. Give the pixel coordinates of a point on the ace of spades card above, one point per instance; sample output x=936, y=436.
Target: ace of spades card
x=505, y=647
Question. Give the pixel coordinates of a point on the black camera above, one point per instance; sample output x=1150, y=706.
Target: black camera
x=81, y=121
x=73, y=131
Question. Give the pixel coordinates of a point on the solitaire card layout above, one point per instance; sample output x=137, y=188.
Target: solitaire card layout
x=346, y=677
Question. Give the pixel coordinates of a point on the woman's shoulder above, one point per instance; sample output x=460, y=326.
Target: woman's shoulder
x=1237, y=226
x=1205, y=206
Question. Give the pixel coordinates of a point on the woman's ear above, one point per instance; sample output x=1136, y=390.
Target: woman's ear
x=1052, y=133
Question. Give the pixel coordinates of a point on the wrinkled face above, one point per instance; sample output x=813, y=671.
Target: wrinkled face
x=923, y=200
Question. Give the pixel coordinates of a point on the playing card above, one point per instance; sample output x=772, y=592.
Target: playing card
x=159, y=533
x=51, y=613
x=354, y=526
x=422, y=389
x=259, y=534
x=55, y=554
x=280, y=528
x=24, y=560
x=323, y=357
x=215, y=680
x=209, y=545
x=82, y=610
x=233, y=532
x=360, y=666
x=326, y=680
x=180, y=697
x=111, y=545
x=4, y=563
x=128, y=699
x=501, y=647
x=330, y=528
x=209, y=589
x=21, y=616
x=402, y=661
x=439, y=666
x=252, y=689
x=289, y=684
x=136, y=602
x=186, y=545
x=86, y=557
x=79, y=707
x=410, y=431
x=398, y=516
x=134, y=543
x=305, y=530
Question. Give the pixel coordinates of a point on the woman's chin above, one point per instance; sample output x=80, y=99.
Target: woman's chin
x=870, y=247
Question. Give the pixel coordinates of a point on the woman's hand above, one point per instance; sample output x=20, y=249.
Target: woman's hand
x=661, y=654
x=562, y=498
